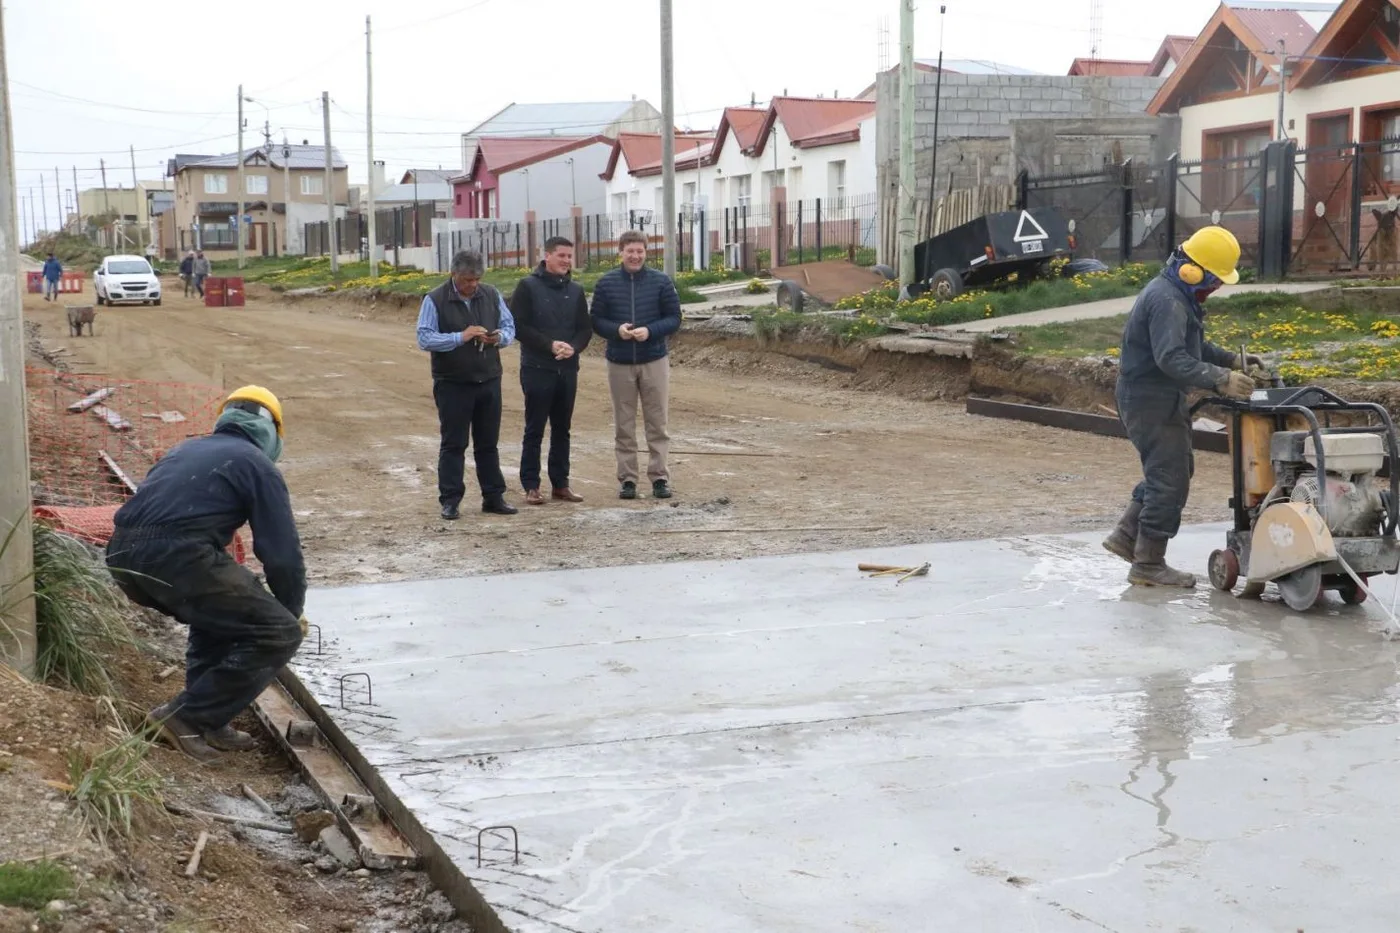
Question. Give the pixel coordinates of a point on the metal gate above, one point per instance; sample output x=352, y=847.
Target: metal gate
x=1222, y=192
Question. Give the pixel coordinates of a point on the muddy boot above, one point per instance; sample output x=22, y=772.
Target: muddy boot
x=181, y=735
x=229, y=739
x=1122, y=541
x=1150, y=566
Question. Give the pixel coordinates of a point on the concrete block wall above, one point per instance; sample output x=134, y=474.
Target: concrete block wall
x=981, y=116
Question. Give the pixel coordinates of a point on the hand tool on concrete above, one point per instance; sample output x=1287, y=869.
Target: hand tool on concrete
x=919, y=571
x=889, y=570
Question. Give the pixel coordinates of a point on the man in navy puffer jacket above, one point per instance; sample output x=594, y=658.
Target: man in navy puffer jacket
x=636, y=309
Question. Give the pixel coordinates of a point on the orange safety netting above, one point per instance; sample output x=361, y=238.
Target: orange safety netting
x=92, y=439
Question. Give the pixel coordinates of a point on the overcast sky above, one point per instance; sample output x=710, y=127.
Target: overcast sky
x=90, y=78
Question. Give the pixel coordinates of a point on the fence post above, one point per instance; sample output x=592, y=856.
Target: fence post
x=799, y=233
x=1125, y=231
x=1276, y=213
x=518, y=254
x=820, y=255
x=1023, y=189
x=1357, y=168
x=1172, y=169
x=744, y=248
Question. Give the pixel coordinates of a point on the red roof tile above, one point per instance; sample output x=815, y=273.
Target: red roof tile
x=808, y=120
x=1111, y=67
x=744, y=123
x=507, y=153
x=1269, y=26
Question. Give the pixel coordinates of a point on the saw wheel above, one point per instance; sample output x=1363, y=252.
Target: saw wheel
x=1301, y=589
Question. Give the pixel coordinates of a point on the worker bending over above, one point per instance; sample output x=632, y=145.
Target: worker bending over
x=168, y=553
x=1165, y=354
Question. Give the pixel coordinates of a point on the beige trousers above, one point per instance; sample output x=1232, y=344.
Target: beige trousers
x=649, y=384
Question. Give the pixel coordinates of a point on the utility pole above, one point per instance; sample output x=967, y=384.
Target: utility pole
x=58, y=196
x=238, y=231
x=1282, y=86
x=18, y=643
x=668, y=142
x=77, y=204
x=905, y=228
x=937, y=106
x=43, y=207
x=330, y=183
x=106, y=201
x=369, y=145
x=287, y=196
x=136, y=197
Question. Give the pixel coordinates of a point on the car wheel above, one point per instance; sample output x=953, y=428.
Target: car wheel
x=156, y=302
x=947, y=284
x=100, y=299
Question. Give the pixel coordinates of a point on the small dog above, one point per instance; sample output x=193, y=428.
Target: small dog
x=77, y=317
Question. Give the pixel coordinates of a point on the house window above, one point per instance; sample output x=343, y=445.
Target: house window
x=1232, y=174
x=216, y=184
x=619, y=204
x=836, y=180
x=313, y=184
x=688, y=194
x=1381, y=129
x=742, y=188
x=255, y=184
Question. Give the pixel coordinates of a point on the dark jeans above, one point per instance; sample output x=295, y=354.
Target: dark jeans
x=239, y=635
x=549, y=398
x=468, y=411
x=199, y=284
x=1158, y=424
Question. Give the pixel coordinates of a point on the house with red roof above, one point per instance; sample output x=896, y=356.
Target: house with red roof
x=549, y=175
x=1326, y=76
x=812, y=147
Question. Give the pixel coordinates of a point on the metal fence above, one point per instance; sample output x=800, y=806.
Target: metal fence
x=1322, y=211
x=740, y=237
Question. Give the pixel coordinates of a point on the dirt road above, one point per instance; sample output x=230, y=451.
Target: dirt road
x=781, y=448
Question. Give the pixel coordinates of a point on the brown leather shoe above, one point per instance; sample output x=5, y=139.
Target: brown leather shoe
x=534, y=497
x=566, y=494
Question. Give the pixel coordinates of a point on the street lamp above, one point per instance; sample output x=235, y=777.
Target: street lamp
x=526, y=173
x=573, y=188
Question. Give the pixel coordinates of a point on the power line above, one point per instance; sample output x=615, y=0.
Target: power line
x=99, y=152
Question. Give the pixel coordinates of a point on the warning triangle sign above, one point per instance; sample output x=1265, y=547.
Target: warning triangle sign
x=1027, y=224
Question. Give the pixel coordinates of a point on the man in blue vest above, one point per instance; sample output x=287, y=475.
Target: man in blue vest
x=463, y=324
x=53, y=273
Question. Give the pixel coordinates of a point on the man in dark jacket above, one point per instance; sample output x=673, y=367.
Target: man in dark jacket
x=53, y=273
x=636, y=309
x=187, y=272
x=168, y=553
x=463, y=324
x=552, y=324
x=1164, y=354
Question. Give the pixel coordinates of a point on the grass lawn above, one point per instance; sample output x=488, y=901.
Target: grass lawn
x=282, y=274
x=1303, y=344
x=882, y=305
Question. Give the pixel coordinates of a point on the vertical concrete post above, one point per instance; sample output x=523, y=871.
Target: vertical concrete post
x=531, y=242
x=778, y=220
x=576, y=213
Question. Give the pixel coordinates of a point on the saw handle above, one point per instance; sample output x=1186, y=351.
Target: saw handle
x=878, y=568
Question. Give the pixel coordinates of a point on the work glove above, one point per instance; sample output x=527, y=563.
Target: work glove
x=1250, y=361
x=1235, y=385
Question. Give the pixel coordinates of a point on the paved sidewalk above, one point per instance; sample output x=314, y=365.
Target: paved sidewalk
x=1110, y=308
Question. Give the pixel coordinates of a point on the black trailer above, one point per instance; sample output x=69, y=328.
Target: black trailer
x=990, y=248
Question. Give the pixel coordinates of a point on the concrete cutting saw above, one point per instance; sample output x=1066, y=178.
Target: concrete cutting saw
x=1311, y=512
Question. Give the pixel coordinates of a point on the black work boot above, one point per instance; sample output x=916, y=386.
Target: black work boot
x=660, y=489
x=497, y=505
x=181, y=735
x=229, y=739
x=1122, y=541
x=628, y=490
x=1150, y=566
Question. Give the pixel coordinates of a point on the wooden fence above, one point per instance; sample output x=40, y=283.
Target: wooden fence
x=954, y=210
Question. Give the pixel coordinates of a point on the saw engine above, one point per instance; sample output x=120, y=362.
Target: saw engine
x=1348, y=495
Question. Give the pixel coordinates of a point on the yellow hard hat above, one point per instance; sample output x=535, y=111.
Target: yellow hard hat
x=257, y=400
x=1215, y=250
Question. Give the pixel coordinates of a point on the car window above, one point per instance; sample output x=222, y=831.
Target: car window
x=129, y=267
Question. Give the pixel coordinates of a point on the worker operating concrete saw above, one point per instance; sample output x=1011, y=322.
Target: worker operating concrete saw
x=168, y=553
x=1164, y=355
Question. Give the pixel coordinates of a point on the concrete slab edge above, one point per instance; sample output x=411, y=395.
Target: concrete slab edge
x=449, y=878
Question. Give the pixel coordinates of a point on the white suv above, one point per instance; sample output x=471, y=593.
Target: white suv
x=126, y=279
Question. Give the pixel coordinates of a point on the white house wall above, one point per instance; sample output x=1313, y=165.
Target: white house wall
x=1263, y=108
x=552, y=183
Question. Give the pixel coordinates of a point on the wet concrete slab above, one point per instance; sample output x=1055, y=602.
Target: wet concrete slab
x=1019, y=742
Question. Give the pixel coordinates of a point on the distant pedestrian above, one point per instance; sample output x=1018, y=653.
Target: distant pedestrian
x=53, y=274
x=636, y=309
x=552, y=323
x=187, y=272
x=201, y=272
x=463, y=324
